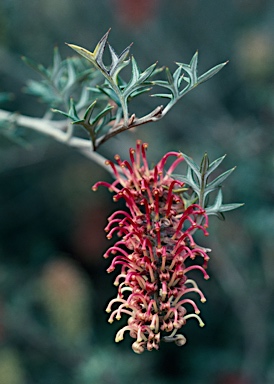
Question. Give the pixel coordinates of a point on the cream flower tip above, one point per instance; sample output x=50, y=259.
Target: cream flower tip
x=203, y=300
x=202, y=324
x=137, y=348
x=180, y=341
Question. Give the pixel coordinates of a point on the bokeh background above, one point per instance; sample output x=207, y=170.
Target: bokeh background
x=53, y=285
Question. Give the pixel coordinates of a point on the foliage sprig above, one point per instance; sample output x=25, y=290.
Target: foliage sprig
x=60, y=81
x=197, y=179
x=119, y=92
x=97, y=97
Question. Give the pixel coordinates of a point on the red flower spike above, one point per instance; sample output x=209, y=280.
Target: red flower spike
x=156, y=238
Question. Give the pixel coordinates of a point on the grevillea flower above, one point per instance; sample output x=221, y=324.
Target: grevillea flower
x=156, y=251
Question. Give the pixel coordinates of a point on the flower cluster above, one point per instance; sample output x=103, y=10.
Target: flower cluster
x=156, y=250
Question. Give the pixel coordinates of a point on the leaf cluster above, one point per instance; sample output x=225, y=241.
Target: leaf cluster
x=62, y=80
x=201, y=184
x=74, y=89
x=186, y=74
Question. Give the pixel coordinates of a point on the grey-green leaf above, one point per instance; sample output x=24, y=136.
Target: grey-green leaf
x=219, y=207
x=118, y=62
x=212, y=72
x=103, y=113
x=230, y=207
x=89, y=111
x=191, y=69
x=163, y=95
x=218, y=181
x=137, y=79
x=215, y=164
x=192, y=165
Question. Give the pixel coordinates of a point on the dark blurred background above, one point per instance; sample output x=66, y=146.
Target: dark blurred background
x=53, y=284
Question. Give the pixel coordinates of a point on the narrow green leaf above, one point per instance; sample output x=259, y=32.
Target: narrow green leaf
x=204, y=165
x=186, y=79
x=147, y=73
x=118, y=62
x=103, y=122
x=169, y=77
x=71, y=114
x=219, y=198
x=172, y=82
x=71, y=77
x=85, y=53
x=230, y=207
x=104, y=112
x=114, y=56
x=187, y=69
x=194, y=61
x=57, y=61
x=218, y=181
x=163, y=95
x=89, y=111
x=61, y=112
x=139, y=92
x=137, y=79
x=193, y=65
x=99, y=50
x=176, y=77
x=187, y=180
x=110, y=93
x=212, y=210
x=162, y=83
x=135, y=73
x=192, y=165
x=191, y=69
x=215, y=165
x=212, y=72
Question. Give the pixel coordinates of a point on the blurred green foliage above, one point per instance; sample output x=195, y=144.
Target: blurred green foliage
x=53, y=285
